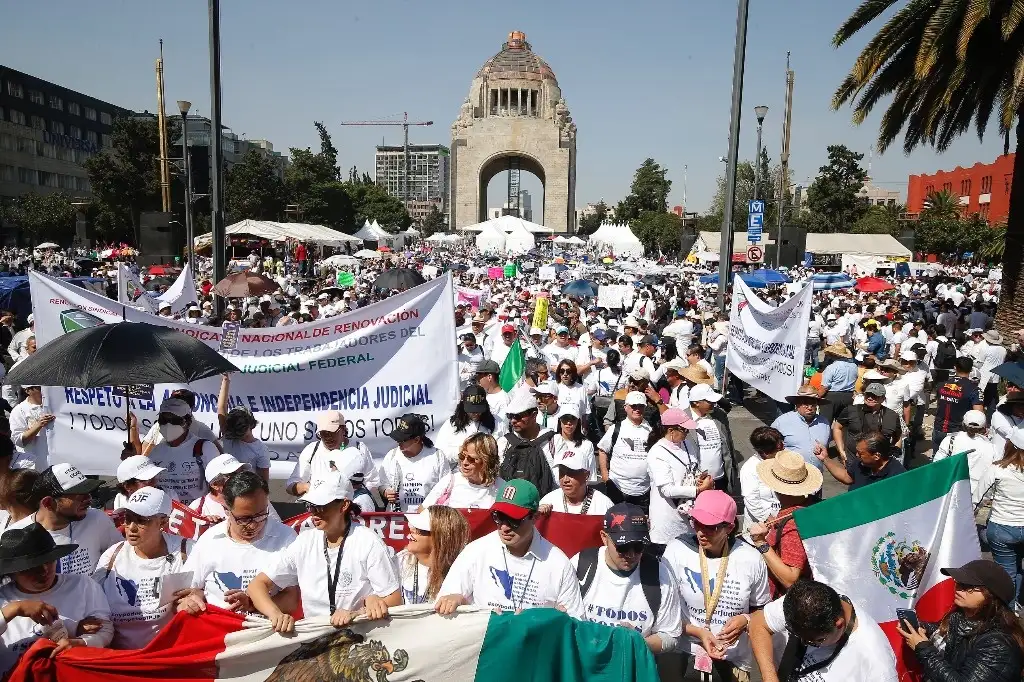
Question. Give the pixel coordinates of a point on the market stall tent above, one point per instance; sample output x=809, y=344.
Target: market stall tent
x=279, y=232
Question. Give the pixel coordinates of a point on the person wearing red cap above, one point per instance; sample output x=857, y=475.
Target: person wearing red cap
x=722, y=581
x=499, y=349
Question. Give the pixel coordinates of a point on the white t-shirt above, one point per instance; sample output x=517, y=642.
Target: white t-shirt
x=574, y=396
x=759, y=502
x=628, y=465
x=599, y=503
x=132, y=588
x=219, y=563
x=75, y=597
x=486, y=574
x=745, y=590
x=710, y=441
x=866, y=657
x=34, y=454
x=461, y=494
x=414, y=578
x=255, y=454
x=182, y=472
x=412, y=477
x=316, y=461
x=673, y=472
x=366, y=568
x=613, y=599
x=93, y=535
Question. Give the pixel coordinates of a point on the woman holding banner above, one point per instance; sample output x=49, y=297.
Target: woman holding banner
x=436, y=536
x=475, y=484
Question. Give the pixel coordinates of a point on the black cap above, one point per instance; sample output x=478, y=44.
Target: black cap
x=474, y=400
x=649, y=339
x=488, y=367
x=987, y=574
x=625, y=523
x=408, y=426
x=29, y=547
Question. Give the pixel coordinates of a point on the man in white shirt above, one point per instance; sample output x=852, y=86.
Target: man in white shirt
x=64, y=494
x=513, y=568
x=487, y=374
x=560, y=349
x=470, y=357
x=681, y=329
x=623, y=585
x=841, y=645
x=573, y=495
x=183, y=456
x=331, y=452
x=622, y=455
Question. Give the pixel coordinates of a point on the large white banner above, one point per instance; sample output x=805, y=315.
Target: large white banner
x=182, y=293
x=374, y=364
x=766, y=344
x=131, y=292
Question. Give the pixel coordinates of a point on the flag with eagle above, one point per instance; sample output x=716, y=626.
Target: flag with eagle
x=413, y=645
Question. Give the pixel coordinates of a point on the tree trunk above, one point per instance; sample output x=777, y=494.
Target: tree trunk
x=1010, y=314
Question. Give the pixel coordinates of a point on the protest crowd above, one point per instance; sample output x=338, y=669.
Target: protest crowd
x=618, y=408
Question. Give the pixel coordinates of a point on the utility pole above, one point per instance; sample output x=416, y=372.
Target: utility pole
x=760, y=112
x=216, y=163
x=725, y=250
x=784, y=158
x=161, y=124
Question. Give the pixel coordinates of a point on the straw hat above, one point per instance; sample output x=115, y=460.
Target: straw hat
x=787, y=473
x=839, y=350
x=696, y=374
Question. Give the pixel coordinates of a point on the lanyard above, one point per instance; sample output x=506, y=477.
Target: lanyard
x=711, y=598
x=332, y=583
x=586, y=502
x=526, y=584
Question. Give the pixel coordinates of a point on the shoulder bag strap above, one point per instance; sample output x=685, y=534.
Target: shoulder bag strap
x=113, y=557
x=586, y=569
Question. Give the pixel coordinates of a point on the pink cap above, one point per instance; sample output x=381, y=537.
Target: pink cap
x=713, y=507
x=673, y=416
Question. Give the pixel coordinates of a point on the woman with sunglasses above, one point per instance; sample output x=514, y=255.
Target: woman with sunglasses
x=571, y=391
x=568, y=439
x=472, y=415
x=436, y=536
x=711, y=564
x=130, y=572
x=980, y=638
x=336, y=546
x=410, y=470
x=475, y=484
x=673, y=463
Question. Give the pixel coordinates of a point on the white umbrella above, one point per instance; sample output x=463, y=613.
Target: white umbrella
x=48, y=245
x=366, y=253
x=340, y=260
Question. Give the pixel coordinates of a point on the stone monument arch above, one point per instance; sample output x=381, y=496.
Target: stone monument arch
x=514, y=119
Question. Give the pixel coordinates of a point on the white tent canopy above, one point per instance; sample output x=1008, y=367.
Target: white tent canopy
x=491, y=239
x=506, y=224
x=367, y=253
x=278, y=232
x=519, y=241
x=619, y=239
x=374, y=233
x=341, y=261
x=575, y=240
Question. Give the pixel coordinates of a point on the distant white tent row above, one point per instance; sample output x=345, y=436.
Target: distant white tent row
x=617, y=238
x=441, y=238
x=494, y=239
x=507, y=224
x=278, y=232
x=373, y=232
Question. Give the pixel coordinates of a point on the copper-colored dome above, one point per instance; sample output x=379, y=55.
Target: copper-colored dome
x=516, y=61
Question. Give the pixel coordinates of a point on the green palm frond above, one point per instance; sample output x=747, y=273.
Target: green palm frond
x=862, y=16
x=976, y=11
x=934, y=39
x=1012, y=19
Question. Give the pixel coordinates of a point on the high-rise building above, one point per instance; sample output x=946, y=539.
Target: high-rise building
x=525, y=208
x=429, y=176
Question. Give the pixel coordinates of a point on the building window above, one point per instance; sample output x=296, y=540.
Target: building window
x=74, y=109
x=105, y=140
x=75, y=132
x=36, y=97
x=47, y=179
x=2, y=117
x=947, y=187
x=39, y=123
x=90, y=114
x=67, y=182
x=986, y=184
x=56, y=102
x=105, y=118
x=7, y=173
x=57, y=127
x=17, y=117
x=26, y=146
x=929, y=189
x=82, y=184
x=7, y=142
x=27, y=176
x=50, y=151
x=92, y=136
x=14, y=89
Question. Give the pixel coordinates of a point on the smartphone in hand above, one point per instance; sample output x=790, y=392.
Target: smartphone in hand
x=905, y=616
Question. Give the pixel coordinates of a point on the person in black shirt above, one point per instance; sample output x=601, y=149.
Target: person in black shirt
x=872, y=463
x=856, y=420
x=955, y=398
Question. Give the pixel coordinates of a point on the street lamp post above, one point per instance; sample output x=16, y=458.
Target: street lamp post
x=760, y=112
x=183, y=107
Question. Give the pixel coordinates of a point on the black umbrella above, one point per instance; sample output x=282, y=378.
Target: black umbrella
x=122, y=354
x=1012, y=372
x=398, y=278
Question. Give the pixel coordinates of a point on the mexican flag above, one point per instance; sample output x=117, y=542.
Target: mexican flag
x=884, y=544
x=414, y=644
x=513, y=368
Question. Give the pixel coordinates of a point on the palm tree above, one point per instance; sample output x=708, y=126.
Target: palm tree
x=941, y=204
x=945, y=65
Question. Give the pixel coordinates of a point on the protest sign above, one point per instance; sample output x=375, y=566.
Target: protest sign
x=766, y=344
x=611, y=295
x=540, y=312
x=131, y=292
x=370, y=363
x=182, y=293
x=473, y=297
x=496, y=273
x=547, y=272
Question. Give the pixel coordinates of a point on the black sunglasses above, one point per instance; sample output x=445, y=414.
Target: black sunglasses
x=631, y=547
x=516, y=416
x=319, y=509
x=506, y=520
x=170, y=419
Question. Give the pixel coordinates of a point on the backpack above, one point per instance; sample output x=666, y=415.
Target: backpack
x=525, y=459
x=197, y=452
x=945, y=355
x=650, y=579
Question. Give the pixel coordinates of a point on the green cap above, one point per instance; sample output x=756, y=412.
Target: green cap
x=517, y=499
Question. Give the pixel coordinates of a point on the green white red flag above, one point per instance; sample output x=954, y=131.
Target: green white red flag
x=883, y=545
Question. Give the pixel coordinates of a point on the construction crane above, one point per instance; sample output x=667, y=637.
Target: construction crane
x=405, y=123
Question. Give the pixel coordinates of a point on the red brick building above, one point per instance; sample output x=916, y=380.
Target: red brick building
x=983, y=188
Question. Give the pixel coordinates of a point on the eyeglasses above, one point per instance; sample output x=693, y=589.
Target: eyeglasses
x=965, y=588
x=631, y=547
x=517, y=416
x=565, y=370
x=635, y=407
x=131, y=517
x=506, y=520
x=815, y=641
x=248, y=521
x=871, y=396
x=170, y=419
x=707, y=530
x=319, y=509
x=471, y=460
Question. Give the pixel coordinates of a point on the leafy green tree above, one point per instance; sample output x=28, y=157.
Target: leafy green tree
x=649, y=192
x=432, y=223
x=311, y=183
x=768, y=191
x=832, y=197
x=659, y=232
x=941, y=204
x=253, y=189
x=370, y=202
x=946, y=65
x=877, y=220
x=43, y=217
x=590, y=223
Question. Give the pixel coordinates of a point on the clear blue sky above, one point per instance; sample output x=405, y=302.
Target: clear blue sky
x=647, y=78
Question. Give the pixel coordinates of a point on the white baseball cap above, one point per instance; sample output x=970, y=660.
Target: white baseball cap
x=266, y=299
x=221, y=465
x=148, y=502
x=636, y=398
x=420, y=521
x=333, y=486
x=175, y=406
x=974, y=418
x=522, y=401
x=572, y=459
x=545, y=388
x=704, y=392
x=909, y=356
x=139, y=467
